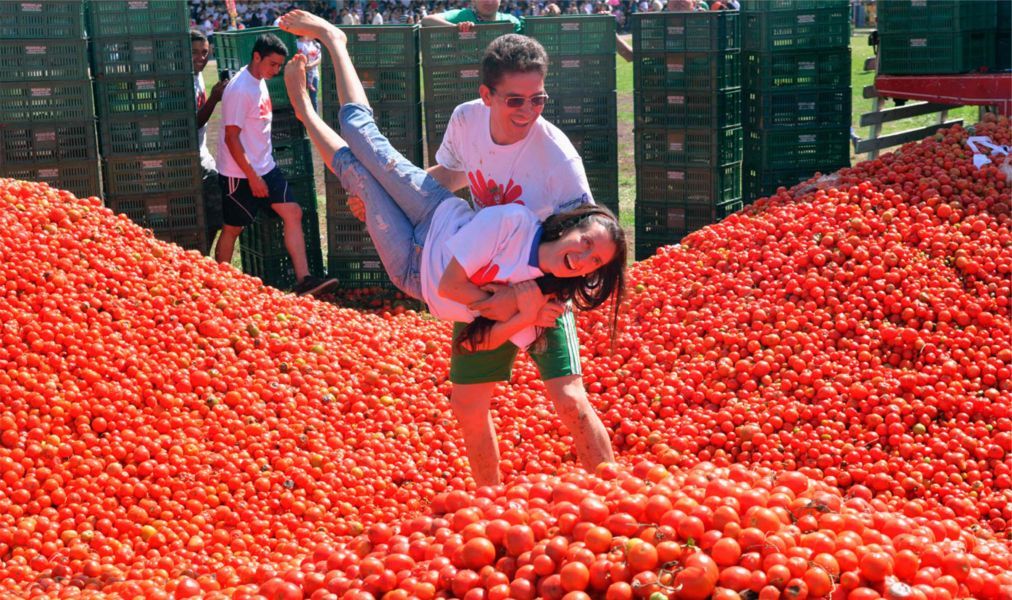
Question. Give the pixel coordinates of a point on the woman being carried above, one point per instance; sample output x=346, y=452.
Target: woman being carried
x=436, y=248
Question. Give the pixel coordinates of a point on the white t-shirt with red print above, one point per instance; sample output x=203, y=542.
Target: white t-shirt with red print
x=200, y=95
x=311, y=50
x=542, y=171
x=247, y=105
x=493, y=246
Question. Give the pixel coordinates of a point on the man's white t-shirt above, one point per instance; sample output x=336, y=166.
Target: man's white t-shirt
x=200, y=93
x=493, y=246
x=247, y=105
x=542, y=171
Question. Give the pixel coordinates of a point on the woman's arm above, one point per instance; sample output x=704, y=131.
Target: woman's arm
x=455, y=285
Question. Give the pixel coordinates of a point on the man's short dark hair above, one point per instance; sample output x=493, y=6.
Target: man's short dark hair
x=512, y=53
x=197, y=35
x=268, y=44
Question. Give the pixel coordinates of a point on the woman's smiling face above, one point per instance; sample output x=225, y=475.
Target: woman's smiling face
x=580, y=252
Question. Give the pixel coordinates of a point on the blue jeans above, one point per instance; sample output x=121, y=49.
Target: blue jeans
x=400, y=198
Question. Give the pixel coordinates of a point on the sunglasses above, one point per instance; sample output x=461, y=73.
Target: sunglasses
x=519, y=101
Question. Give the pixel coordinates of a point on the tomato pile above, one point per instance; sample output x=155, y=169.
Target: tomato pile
x=810, y=399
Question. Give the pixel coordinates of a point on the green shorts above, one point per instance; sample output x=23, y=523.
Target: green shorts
x=560, y=357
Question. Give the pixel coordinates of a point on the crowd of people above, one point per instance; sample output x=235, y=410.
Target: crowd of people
x=210, y=15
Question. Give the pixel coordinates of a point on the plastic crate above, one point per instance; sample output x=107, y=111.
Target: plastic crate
x=935, y=16
x=43, y=60
x=285, y=127
x=664, y=223
x=346, y=235
x=809, y=148
x=758, y=182
x=162, y=212
x=589, y=34
x=686, y=31
x=304, y=192
x=691, y=109
x=1003, y=51
x=266, y=235
x=783, y=71
x=603, y=183
x=47, y=101
x=1004, y=15
x=360, y=272
x=26, y=143
x=190, y=239
x=117, y=18
x=596, y=147
x=797, y=30
x=141, y=56
x=152, y=175
x=688, y=185
x=815, y=108
x=791, y=5
x=700, y=71
x=295, y=159
x=451, y=85
x=152, y=134
x=397, y=85
x=401, y=124
x=447, y=46
x=276, y=270
x=78, y=177
x=662, y=146
x=130, y=96
x=568, y=75
x=437, y=119
x=936, y=53
x=42, y=19
x=383, y=46
x=579, y=113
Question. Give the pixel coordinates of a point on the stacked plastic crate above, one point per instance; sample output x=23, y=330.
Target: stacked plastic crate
x=140, y=57
x=797, y=100
x=1003, y=38
x=47, y=115
x=581, y=85
x=386, y=60
x=688, y=134
x=262, y=244
x=921, y=37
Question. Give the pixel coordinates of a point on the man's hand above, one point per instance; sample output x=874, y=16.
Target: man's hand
x=218, y=90
x=465, y=26
x=258, y=187
x=357, y=207
x=549, y=314
x=530, y=300
x=500, y=306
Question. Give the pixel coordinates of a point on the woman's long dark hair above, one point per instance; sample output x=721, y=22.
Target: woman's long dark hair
x=587, y=292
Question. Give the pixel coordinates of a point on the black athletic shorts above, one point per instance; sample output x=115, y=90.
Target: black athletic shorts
x=239, y=207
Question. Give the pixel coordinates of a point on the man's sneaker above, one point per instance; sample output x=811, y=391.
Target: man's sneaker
x=312, y=285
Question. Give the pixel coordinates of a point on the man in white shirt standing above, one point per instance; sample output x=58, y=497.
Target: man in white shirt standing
x=201, y=52
x=249, y=177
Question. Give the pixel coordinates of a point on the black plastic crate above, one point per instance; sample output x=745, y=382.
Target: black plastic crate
x=808, y=148
x=791, y=5
x=346, y=235
x=153, y=94
x=360, y=272
x=285, y=127
x=389, y=85
x=446, y=46
x=162, y=212
x=935, y=16
x=796, y=70
x=118, y=18
x=124, y=176
x=687, y=108
x=936, y=53
x=266, y=235
x=304, y=192
x=295, y=158
x=686, y=31
x=141, y=56
x=675, y=146
x=584, y=34
x=47, y=101
x=383, y=46
x=812, y=108
x=190, y=239
x=590, y=74
x=43, y=60
x=584, y=112
x=42, y=19
x=689, y=185
x=664, y=223
x=78, y=177
x=148, y=134
x=596, y=147
x=276, y=270
x=47, y=142
x=699, y=71
x=758, y=182
x=796, y=30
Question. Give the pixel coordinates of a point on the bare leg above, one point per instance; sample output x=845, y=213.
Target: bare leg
x=349, y=86
x=593, y=445
x=471, y=404
x=291, y=215
x=326, y=140
x=226, y=243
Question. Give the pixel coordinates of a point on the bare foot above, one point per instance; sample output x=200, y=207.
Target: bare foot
x=295, y=83
x=302, y=23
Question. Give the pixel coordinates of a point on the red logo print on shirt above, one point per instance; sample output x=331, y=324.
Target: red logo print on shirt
x=266, y=108
x=489, y=193
x=201, y=99
x=485, y=274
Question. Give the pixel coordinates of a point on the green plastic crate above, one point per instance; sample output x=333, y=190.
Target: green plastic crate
x=266, y=234
x=148, y=134
x=304, y=192
x=295, y=159
x=603, y=183
x=357, y=273
x=585, y=34
x=234, y=49
x=47, y=142
x=661, y=146
x=346, y=235
x=383, y=85
x=162, y=212
x=688, y=108
x=401, y=124
x=588, y=74
x=42, y=19
x=580, y=113
x=791, y=5
x=1003, y=51
x=782, y=110
x=152, y=94
x=781, y=71
x=936, y=53
x=1004, y=15
x=382, y=46
x=758, y=182
x=686, y=31
x=78, y=177
x=797, y=30
x=130, y=175
x=188, y=239
x=117, y=18
x=688, y=185
x=38, y=101
x=43, y=60
x=597, y=148
x=700, y=71
x=286, y=127
x=663, y=223
x=448, y=46
x=138, y=56
x=451, y=85
x=808, y=148
x=934, y=16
